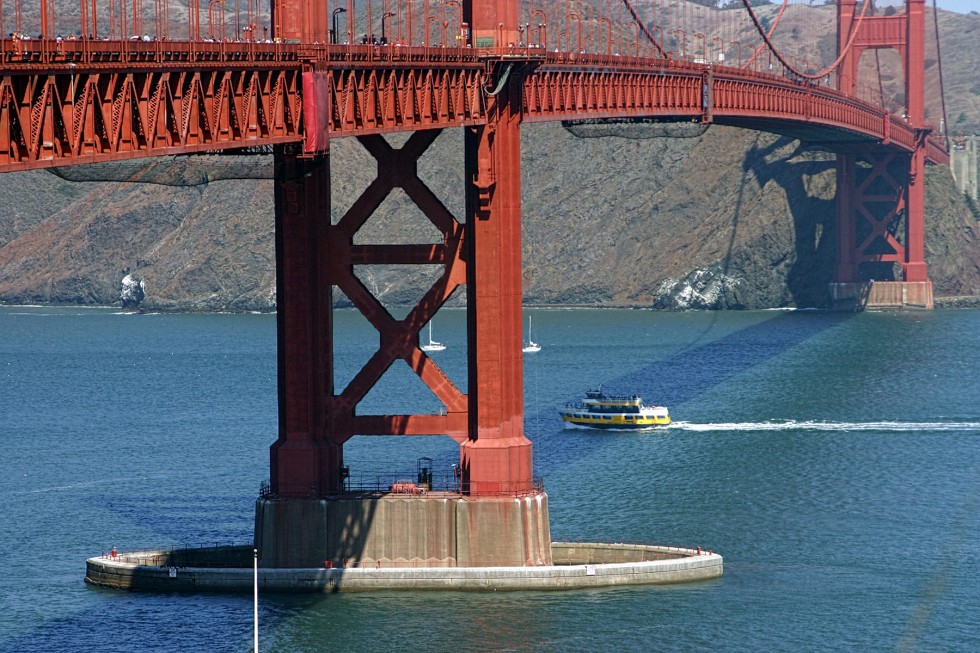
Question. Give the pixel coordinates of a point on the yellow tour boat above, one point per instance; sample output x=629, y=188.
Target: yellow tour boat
x=601, y=411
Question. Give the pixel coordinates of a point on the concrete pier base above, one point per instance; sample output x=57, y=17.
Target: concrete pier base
x=398, y=530
x=881, y=294
x=577, y=565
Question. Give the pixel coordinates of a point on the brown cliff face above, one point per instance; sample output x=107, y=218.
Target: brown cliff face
x=613, y=215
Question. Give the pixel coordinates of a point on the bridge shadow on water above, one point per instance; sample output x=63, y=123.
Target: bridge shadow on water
x=689, y=374
x=701, y=368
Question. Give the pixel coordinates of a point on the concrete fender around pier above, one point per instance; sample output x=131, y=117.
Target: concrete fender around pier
x=581, y=565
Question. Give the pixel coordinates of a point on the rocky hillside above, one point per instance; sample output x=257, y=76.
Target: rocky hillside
x=644, y=215
x=613, y=216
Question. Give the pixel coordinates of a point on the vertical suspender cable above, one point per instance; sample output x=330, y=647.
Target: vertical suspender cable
x=881, y=88
x=939, y=59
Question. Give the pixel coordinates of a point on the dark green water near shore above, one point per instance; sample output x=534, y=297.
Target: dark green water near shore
x=834, y=460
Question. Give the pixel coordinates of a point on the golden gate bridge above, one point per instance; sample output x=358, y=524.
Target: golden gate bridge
x=104, y=81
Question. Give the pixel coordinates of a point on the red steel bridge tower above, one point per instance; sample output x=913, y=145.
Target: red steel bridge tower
x=880, y=188
x=500, y=516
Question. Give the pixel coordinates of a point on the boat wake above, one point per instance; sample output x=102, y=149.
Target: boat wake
x=793, y=425
x=82, y=485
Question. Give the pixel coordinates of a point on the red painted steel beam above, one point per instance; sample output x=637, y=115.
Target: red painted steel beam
x=301, y=20
x=313, y=257
x=847, y=270
x=397, y=168
x=89, y=116
x=875, y=193
x=560, y=94
x=914, y=268
x=359, y=101
x=563, y=89
x=307, y=458
x=493, y=23
x=497, y=457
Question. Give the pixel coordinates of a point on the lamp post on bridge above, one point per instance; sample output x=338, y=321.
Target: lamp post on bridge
x=542, y=27
x=384, y=17
x=333, y=33
x=603, y=19
x=428, y=21
x=578, y=24
x=721, y=48
x=738, y=48
x=657, y=29
x=683, y=42
x=704, y=48
x=524, y=30
x=459, y=23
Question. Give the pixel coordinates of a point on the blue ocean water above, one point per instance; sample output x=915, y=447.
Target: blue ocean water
x=833, y=459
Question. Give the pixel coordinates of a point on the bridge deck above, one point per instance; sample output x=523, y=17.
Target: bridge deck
x=81, y=101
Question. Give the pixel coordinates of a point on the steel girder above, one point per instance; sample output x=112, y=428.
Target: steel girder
x=497, y=456
x=484, y=253
x=356, y=101
x=305, y=461
x=877, y=189
x=878, y=226
x=50, y=119
x=65, y=118
x=64, y=115
x=569, y=91
x=554, y=93
x=313, y=257
x=399, y=339
x=787, y=101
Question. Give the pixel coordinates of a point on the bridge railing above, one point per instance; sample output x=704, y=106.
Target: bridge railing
x=409, y=484
x=374, y=54
x=31, y=53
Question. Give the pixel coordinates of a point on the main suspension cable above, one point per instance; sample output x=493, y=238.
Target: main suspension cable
x=772, y=29
x=643, y=28
x=803, y=75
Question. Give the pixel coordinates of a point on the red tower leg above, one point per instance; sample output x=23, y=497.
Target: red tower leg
x=496, y=459
x=305, y=461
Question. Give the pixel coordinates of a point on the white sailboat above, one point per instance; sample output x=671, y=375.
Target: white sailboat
x=432, y=345
x=531, y=346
